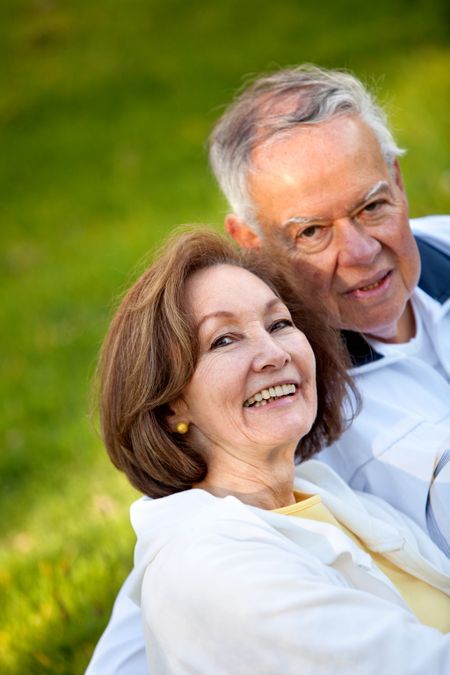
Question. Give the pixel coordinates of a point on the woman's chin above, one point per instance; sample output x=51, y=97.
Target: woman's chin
x=281, y=436
x=283, y=420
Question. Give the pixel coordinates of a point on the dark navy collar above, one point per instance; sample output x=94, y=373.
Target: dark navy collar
x=359, y=349
x=435, y=274
x=434, y=280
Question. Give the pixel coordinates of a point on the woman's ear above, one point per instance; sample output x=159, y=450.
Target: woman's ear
x=177, y=413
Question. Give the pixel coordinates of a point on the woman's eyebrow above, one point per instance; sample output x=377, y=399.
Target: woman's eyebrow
x=215, y=315
x=274, y=302
x=225, y=314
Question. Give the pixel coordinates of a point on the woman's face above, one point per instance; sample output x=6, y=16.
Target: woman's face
x=254, y=383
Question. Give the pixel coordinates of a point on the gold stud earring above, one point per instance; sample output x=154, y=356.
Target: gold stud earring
x=182, y=427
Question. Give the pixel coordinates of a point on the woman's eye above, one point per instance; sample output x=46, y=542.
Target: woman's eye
x=281, y=323
x=221, y=341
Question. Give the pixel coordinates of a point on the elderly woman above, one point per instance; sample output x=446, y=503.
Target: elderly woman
x=215, y=382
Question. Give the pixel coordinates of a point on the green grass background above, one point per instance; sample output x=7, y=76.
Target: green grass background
x=104, y=110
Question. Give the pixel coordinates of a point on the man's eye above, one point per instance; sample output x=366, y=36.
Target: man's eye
x=308, y=232
x=311, y=238
x=375, y=206
x=221, y=341
x=281, y=323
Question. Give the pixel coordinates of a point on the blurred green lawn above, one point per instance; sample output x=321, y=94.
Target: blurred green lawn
x=104, y=110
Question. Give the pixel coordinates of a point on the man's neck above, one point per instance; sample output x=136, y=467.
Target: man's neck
x=403, y=331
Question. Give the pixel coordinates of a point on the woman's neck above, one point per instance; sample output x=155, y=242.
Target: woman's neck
x=266, y=484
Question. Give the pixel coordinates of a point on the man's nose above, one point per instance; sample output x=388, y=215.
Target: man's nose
x=269, y=354
x=356, y=244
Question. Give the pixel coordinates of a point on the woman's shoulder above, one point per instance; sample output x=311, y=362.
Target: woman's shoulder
x=190, y=515
x=200, y=539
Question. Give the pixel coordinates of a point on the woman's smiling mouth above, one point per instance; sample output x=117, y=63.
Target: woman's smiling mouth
x=262, y=397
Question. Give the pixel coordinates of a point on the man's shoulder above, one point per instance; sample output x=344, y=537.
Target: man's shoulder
x=433, y=229
x=433, y=239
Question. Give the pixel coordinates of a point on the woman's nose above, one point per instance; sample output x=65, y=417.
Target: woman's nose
x=270, y=354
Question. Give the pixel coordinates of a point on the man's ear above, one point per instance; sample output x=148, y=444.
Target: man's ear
x=399, y=183
x=242, y=234
x=177, y=412
x=398, y=176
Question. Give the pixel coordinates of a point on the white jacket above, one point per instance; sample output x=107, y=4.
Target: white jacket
x=394, y=447
x=226, y=588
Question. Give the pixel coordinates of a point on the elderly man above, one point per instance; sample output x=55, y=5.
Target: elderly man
x=309, y=166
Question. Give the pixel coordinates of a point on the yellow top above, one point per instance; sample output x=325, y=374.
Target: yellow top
x=431, y=606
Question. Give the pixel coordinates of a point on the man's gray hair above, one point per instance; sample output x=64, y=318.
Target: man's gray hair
x=275, y=103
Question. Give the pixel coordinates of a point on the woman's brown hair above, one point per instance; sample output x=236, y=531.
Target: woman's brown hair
x=150, y=354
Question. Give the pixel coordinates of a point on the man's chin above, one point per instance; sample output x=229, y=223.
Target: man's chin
x=398, y=329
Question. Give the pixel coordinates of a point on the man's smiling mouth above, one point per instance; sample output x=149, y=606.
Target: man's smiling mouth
x=265, y=395
x=361, y=290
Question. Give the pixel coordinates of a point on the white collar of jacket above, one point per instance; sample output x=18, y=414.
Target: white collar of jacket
x=365, y=358
x=381, y=527
x=157, y=522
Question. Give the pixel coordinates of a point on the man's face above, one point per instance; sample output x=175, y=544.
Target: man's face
x=325, y=193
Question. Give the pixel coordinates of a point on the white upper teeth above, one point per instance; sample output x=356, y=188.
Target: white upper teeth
x=264, y=395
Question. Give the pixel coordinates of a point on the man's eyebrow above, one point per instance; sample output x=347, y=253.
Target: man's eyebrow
x=380, y=186
x=224, y=314
x=299, y=220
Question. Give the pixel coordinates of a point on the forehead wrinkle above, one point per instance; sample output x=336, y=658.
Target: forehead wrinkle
x=379, y=186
